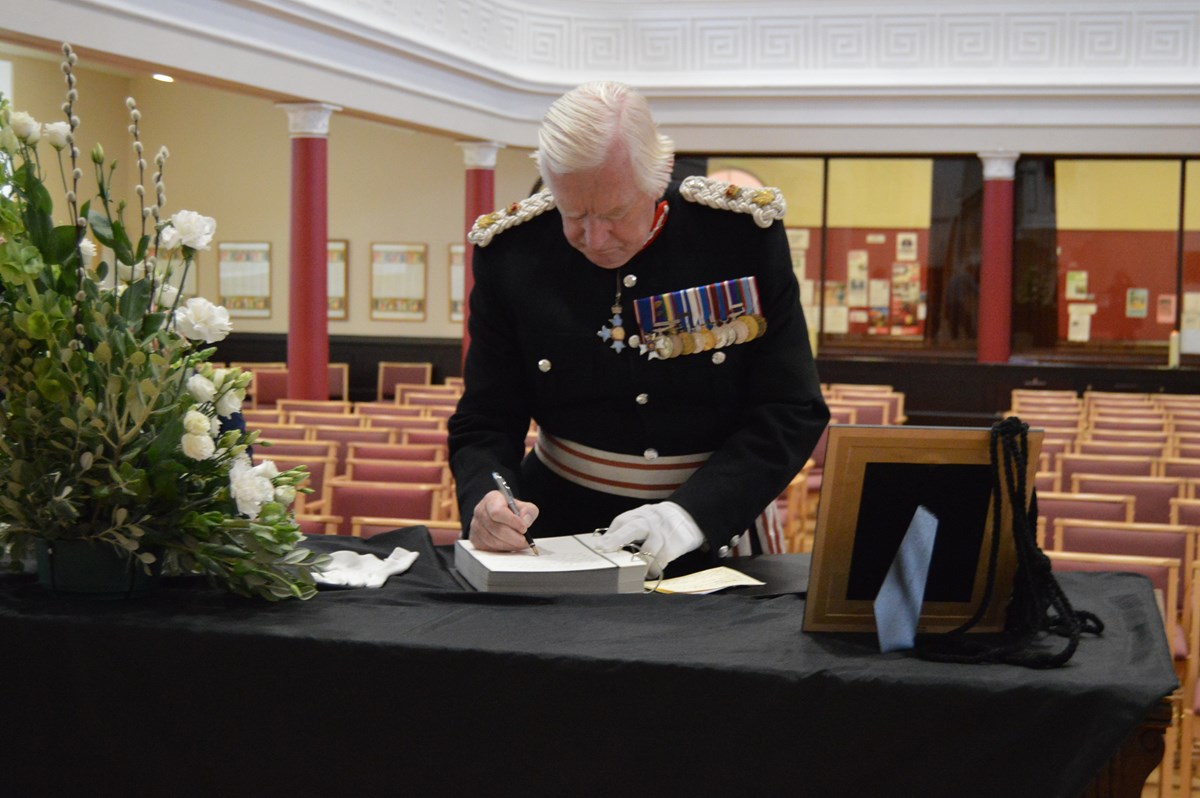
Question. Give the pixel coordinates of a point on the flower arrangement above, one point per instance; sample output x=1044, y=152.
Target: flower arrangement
x=114, y=427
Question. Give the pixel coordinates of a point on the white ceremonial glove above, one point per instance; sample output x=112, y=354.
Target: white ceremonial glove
x=351, y=569
x=664, y=531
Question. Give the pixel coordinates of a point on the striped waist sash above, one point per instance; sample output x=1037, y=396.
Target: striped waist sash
x=629, y=475
x=639, y=477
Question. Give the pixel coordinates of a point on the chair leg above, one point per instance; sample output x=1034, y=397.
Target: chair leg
x=1186, y=730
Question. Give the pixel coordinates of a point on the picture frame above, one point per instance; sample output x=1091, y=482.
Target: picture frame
x=244, y=278
x=458, y=277
x=398, y=284
x=874, y=479
x=337, y=256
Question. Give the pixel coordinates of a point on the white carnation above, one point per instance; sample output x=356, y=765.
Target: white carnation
x=196, y=423
x=200, y=319
x=201, y=388
x=189, y=229
x=249, y=489
x=230, y=403
x=198, y=447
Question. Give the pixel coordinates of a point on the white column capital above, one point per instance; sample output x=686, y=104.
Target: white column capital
x=480, y=154
x=308, y=120
x=999, y=164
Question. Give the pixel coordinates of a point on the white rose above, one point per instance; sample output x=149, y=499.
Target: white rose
x=8, y=140
x=202, y=320
x=24, y=126
x=57, y=134
x=199, y=447
x=250, y=490
x=195, y=422
x=214, y=426
x=285, y=494
x=229, y=403
x=201, y=388
x=189, y=229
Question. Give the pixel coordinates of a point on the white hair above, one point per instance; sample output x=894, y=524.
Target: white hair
x=588, y=122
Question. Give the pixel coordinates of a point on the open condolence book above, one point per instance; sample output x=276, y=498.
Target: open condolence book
x=567, y=564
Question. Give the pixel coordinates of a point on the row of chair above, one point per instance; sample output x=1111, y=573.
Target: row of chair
x=269, y=383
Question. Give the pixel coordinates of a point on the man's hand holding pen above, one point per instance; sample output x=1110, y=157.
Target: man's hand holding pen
x=502, y=523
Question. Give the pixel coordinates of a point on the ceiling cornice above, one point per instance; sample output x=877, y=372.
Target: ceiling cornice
x=794, y=75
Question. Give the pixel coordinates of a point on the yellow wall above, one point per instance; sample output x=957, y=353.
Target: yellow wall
x=800, y=179
x=1191, y=201
x=231, y=159
x=884, y=193
x=1117, y=195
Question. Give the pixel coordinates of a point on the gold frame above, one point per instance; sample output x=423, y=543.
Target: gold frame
x=459, y=263
x=380, y=310
x=244, y=305
x=851, y=449
x=331, y=246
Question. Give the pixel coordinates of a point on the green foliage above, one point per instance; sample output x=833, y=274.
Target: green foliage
x=99, y=389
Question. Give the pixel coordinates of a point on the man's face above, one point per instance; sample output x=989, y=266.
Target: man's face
x=605, y=215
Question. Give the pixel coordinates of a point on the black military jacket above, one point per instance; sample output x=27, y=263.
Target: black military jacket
x=535, y=312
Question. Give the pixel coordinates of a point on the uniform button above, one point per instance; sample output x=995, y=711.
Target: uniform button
x=642, y=398
x=718, y=358
x=634, y=340
x=733, y=541
x=630, y=280
x=544, y=365
x=650, y=454
x=723, y=551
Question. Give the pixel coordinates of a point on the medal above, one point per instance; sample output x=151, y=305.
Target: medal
x=614, y=329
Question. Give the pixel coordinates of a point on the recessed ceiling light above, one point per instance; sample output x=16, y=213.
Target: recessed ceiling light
x=163, y=78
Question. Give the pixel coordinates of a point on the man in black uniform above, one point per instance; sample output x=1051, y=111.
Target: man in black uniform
x=654, y=334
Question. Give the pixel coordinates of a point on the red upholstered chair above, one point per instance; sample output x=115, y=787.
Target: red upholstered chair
x=265, y=415
x=344, y=436
x=309, y=419
x=337, y=406
x=318, y=524
x=867, y=411
x=443, y=533
x=1191, y=688
x=1153, y=494
x=382, y=499
x=1047, y=482
x=424, y=436
x=391, y=373
x=894, y=399
x=1071, y=464
x=403, y=422
x=396, y=451
x=361, y=470
x=278, y=432
x=392, y=411
x=1185, y=511
x=1129, y=436
x=339, y=381
x=302, y=448
x=1186, y=467
x=1119, y=449
x=267, y=387
x=1076, y=505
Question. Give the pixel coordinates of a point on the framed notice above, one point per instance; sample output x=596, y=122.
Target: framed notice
x=398, y=282
x=875, y=479
x=458, y=276
x=337, y=255
x=244, y=278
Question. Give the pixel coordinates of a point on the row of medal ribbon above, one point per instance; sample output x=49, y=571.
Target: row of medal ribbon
x=699, y=319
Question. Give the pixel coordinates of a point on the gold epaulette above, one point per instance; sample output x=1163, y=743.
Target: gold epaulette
x=489, y=225
x=765, y=204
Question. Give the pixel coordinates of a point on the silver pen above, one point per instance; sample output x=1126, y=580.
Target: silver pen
x=502, y=486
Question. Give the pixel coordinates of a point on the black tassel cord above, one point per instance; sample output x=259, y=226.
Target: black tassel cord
x=1038, y=606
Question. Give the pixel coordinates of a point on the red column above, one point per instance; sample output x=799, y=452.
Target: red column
x=479, y=157
x=996, y=266
x=308, y=288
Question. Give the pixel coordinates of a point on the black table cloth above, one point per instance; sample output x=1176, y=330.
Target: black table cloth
x=423, y=687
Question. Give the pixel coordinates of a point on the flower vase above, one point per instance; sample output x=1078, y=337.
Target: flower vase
x=92, y=569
